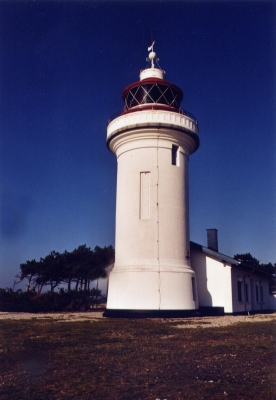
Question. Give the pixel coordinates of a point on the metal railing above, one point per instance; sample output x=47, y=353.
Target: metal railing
x=128, y=111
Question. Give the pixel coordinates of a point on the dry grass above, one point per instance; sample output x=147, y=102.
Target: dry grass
x=98, y=358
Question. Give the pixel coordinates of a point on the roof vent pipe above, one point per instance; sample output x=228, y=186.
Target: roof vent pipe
x=212, y=239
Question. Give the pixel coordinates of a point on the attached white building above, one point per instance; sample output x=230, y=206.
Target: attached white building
x=225, y=284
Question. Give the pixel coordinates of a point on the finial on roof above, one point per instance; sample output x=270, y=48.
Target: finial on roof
x=152, y=55
x=152, y=72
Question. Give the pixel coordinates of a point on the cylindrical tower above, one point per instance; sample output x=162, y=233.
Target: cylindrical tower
x=152, y=139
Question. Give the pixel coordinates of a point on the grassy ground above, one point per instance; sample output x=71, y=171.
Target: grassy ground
x=135, y=359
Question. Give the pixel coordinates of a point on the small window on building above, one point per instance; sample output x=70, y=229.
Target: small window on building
x=246, y=293
x=239, y=290
x=257, y=292
x=194, y=288
x=262, y=293
x=174, y=154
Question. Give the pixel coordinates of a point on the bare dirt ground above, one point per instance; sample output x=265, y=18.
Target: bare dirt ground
x=203, y=322
x=82, y=355
x=59, y=317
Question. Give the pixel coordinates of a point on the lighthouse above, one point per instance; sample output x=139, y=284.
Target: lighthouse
x=152, y=139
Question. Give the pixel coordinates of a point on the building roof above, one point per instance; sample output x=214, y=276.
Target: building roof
x=226, y=259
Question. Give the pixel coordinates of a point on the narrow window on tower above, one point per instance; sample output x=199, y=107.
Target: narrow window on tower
x=144, y=195
x=174, y=154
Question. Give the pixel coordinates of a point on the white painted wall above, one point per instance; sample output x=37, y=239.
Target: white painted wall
x=151, y=271
x=213, y=281
x=218, y=285
x=198, y=263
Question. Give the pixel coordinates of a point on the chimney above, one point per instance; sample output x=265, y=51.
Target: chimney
x=212, y=239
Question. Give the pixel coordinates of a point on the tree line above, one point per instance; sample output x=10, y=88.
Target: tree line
x=251, y=261
x=76, y=269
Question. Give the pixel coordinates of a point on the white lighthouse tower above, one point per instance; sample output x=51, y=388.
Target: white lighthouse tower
x=152, y=139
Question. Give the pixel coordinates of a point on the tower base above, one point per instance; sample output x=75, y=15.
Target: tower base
x=145, y=289
x=112, y=313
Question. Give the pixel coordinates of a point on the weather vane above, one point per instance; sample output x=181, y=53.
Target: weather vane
x=152, y=55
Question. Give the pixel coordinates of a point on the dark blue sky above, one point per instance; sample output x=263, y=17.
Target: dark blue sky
x=63, y=67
